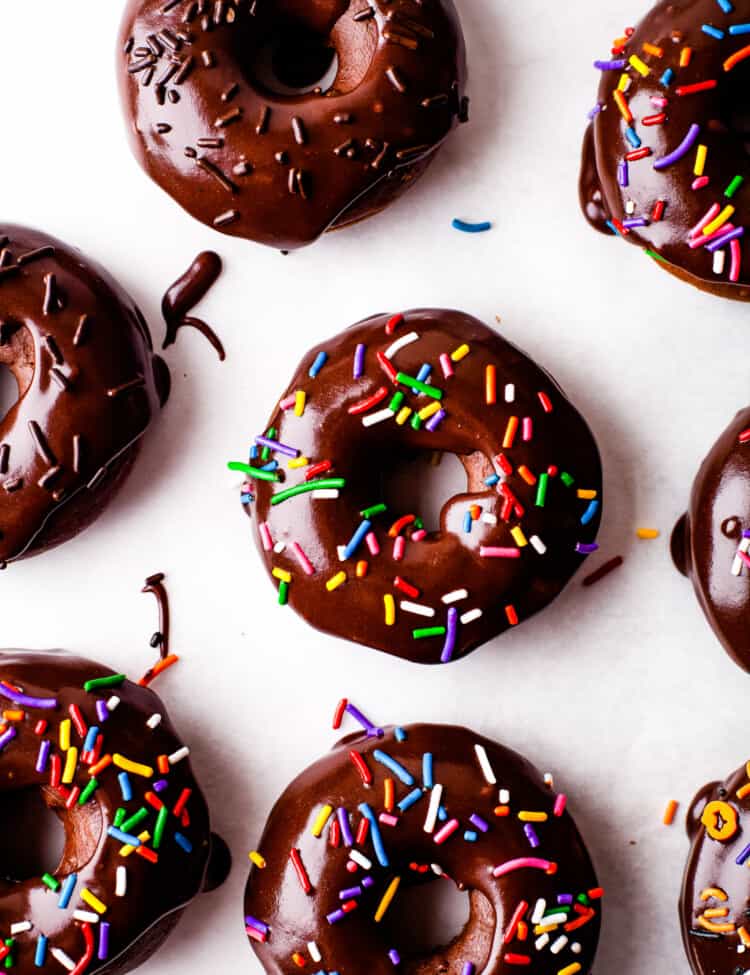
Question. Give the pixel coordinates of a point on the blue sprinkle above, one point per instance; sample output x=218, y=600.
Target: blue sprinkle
x=246, y=498
x=667, y=78
x=726, y=6
x=270, y=466
x=470, y=836
x=612, y=227
x=408, y=801
x=442, y=814
x=125, y=787
x=357, y=538
x=632, y=136
x=743, y=857
x=492, y=480
x=320, y=360
x=399, y=734
x=67, y=891
x=390, y=763
x=424, y=373
x=41, y=951
x=467, y=522
x=90, y=742
x=254, y=452
x=471, y=228
x=589, y=513
x=736, y=29
x=184, y=842
x=713, y=31
x=427, y=779
x=127, y=838
x=377, y=839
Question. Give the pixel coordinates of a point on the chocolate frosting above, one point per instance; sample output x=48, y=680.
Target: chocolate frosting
x=489, y=833
x=89, y=387
x=626, y=174
x=154, y=891
x=276, y=167
x=545, y=505
x=715, y=897
x=708, y=541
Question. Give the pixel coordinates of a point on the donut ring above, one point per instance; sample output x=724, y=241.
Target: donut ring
x=106, y=759
x=279, y=166
x=89, y=386
x=325, y=895
x=664, y=158
x=505, y=548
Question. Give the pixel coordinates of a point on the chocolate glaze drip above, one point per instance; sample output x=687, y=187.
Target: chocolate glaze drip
x=449, y=559
x=184, y=295
x=249, y=158
x=356, y=943
x=706, y=539
x=155, y=584
x=671, y=27
x=89, y=387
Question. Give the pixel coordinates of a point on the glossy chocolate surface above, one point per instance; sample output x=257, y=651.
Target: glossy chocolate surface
x=540, y=528
x=81, y=354
x=708, y=540
x=356, y=943
x=154, y=890
x=186, y=292
x=715, y=897
x=665, y=107
x=257, y=160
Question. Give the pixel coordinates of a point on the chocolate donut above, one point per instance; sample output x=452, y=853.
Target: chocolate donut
x=715, y=897
x=101, y=753
x=396, y=808
x=665, y=156
x=89, y=386
x=222, y=117
x=358, y=408
x=711, y=542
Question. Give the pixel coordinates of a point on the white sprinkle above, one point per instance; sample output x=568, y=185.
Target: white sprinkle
x=113, y=702
x=488, y=518
x=472, y=615
x=630, y=207
x=20, y=927
x=504, y=797
x=484, y=764
x=325, y=494
x=341, y=552
x=437, y=869
x=541, y=942
x=539, y=908
x=456, y=596
x=360, y=859
x=537, y=544
x=372, y=418
x=400, y=343
x=154, y=721
x=744, y=546
x=510, y=393
x=719, y=259
x=558, y=946
x=314, y=951
x=576, y=948
x=279, y=547
x=87, y=917
x=432, y=810
x=549, y=780
x=178, y=756
x=121, y=881
x=416, y=608
x=65, y=960
x=553, y=919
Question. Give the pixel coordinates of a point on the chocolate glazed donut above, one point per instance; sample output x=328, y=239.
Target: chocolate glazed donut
x=101, y=753
x=715, y=897
x=710, y=543
x=428, y=796
x=89, y=386
x=665, y=156
x=212, y=123
x=363, y=404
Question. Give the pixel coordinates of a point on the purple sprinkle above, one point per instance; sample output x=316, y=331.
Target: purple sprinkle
x=394, y=956
x=359, y=361
x=743, y=857
x=346, y=831
x=451, y=627
x=161, y=785
x=746, y=533
x=531, y=835
x=367, y=882
x=623, y=173
x=564, y=898
x=44, y=750
x=45, y=703
x=9, y=735
x=586, y=549
x=349, y=892
x=682, y=149
x=468, y=968
x=253, y=922
x=617, y=65
x=102, y=711
x=103, y=952
x=335, y=916
x=722, y=241
x=476, y=820
x=596, y=110
x=434, y=422
x=635, y=222
x=369, y=727
x=279, y=448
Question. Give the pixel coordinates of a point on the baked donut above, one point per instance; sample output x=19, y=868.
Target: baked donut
x=358, y=408
x=102, y=754
x=227, y=114
x=715, y=897
x=89, y=386
x=665, y=156
x=379, y=815
x=711, y=542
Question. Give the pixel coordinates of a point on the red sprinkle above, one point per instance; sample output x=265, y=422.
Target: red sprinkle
x=393, y=323
x=398, y=526
x=514, y=922
x=387, y=366
x=699, y=86
x=744, y=436
x=654, y=119
x=321, y=468
x=367, y=404
x=40, y=727
x=658, y=211
x=546, y=402
x=338, y=716
x=512, y=615
x=361, y=767
x=635, y=154
x=182, y=801
x=362, y=830
x=406, y=587
x=299, y=868
x=77, y=719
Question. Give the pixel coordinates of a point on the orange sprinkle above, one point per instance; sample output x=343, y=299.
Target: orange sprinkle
x=743, y=791
x=361, y=570
x=716, y=912
x=658, y=52
x=510, y=433
x=475, y=511
x=13, y=715
x=736, y=58
x=623, y=106
x=103, y=763
x=522, y=931
x=512, y=615
x=526, y=474
x=502, y=810
x=670, y=812
x=686, y=55
x=490, y=385
x=298, y=959
x=159, y=667
x=744, y=936
x=162, y=763
x=390, y=795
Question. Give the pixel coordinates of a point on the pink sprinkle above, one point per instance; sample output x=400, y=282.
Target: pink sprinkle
x=495, y=552
x=288, y=403
x=736, y=251
x=695, y=242
x=659, y=101
x=700, y=182
x=418, y=535
x=388, y=819
x=560, y=804
x=398, y=548
x=528, y=429
x=446, y=365
x=711, y=215
x=531, y=863
x=265, y=536
x=303, y=559
x=372, y=543
x=448, y=830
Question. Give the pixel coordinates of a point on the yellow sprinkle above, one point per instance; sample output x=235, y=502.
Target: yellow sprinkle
x=71, y=760
x=387, y=898
x=93, y=901
x=723, y=928
x=532, y=817
x=624, y=83
x=744, y=936
x=257, y=859
x=685, y=55
x=640, y=66
x=460, y=353
x=647, y=533
x=13, y=715
x=587, y=495
x=403, y=415
x=725, y=215
x=323, y=816
x=335, y=581
x=300, y=398
x=518, y=536
x=296, y=462
x=144, y=837
x=65, y=734
x=390, y=609
x=429, y=411
x=570, y=970
x=716, y=912
x=282, y=574
x=716, y=892
x=135, y=767
x=545, y=928
x=700, y=160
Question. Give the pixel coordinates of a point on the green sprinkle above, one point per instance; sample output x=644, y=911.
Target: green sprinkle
x=428, y=631
x=418, y=524
x=283, y=593
x=129, y=825
x=541, y=491
x=50, y=881
x=396, y=402
x=88, y=792
x=417, y=386
x=734, y=186
x=119, y=818
x=655, y=256
x=97, y=682
x=567, y=480
x=9, y=943
x=161, y=822
x=583, y=899
x=266, y=451
x=416, y=421
x=321, y=484
x=256, y=472
x=376, y=509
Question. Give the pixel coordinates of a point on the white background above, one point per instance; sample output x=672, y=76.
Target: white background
x=621, y=689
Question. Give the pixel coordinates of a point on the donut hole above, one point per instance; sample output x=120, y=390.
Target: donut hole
x=423, y=483
x=32, y=836
x=295, y=61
